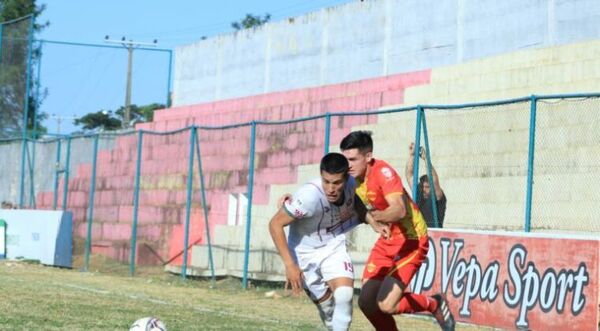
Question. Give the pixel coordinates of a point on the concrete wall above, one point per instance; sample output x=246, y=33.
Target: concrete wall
x=44, y=154
x=480, y=154
x=366, y=39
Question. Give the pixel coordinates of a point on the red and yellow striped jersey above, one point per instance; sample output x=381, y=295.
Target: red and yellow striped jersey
x=380, y=181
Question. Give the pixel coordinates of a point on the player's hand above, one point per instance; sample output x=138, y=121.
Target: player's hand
x=293, y=276
x=411, y=151
x=283, y=199
x=382, y=229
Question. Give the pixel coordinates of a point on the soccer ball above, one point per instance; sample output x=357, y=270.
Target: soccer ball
x=148, y=324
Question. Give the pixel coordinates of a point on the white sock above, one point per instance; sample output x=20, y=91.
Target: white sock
x=342, y=313
x=326, y=311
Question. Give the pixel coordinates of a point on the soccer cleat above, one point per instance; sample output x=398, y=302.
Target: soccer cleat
x=442, y=314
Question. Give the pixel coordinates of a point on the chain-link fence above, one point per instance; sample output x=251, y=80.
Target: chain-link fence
x=480, y=156
x=199, y=198
x=15, y=60
x=566, y=171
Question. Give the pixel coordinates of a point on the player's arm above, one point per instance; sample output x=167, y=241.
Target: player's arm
x=395, y=211
x=365, y=217
x=439, y=193
x=282, y=199
x=293, y=273
x=410, y=164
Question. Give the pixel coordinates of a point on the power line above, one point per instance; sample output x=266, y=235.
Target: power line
x=130, y=45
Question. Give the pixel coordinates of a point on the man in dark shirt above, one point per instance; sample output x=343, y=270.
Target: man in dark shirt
x=423, y=198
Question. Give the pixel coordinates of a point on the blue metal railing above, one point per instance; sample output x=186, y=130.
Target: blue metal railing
x=194, y=149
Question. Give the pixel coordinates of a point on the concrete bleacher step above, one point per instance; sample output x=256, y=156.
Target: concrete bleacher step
x=511, y=75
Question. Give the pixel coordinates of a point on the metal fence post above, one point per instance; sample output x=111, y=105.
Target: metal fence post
x=530, y=157
x=56, y=174
x=429, y=177
x=168, y=103
x=327, y=131
x=90, y=211
x=31, y=166
x=416, y=152
x=249, y=207
x=26, y=112
x=205, y=212
x=66, y=174
x=136, y=198
x=188, y=201
x=22, y=179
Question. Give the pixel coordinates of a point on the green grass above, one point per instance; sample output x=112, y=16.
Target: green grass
x=36, y=297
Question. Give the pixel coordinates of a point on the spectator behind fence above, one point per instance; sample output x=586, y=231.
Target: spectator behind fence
x=423, y=198
x=8, y=205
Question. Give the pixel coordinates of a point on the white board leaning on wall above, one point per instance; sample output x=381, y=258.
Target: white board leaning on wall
x=43, y=235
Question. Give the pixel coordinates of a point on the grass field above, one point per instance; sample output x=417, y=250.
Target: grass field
x=36, y=297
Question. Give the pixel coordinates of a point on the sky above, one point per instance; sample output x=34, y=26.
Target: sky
x=77, y=80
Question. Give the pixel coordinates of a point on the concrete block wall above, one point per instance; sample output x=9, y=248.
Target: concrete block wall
x=481, y=154
x=280, y=150
x=365, y=39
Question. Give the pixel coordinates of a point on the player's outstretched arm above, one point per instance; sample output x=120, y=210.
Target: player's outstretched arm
x=439, y=193
x=293, y=274
x=395, y=211
x=410, y=164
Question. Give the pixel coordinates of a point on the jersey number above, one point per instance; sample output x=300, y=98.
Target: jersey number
x=348, y=266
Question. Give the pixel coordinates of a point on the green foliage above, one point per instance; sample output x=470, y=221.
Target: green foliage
x=14, y=43
x=141, y=113
x=101, y=119
x=108, y=120
x=251, y=21
x=14, y=9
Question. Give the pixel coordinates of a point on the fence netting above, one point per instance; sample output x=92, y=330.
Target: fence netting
x=10, y=165
x=480, y=156
x=390, y=133
x=225, y=158
x=566, y=171
x=14, y=62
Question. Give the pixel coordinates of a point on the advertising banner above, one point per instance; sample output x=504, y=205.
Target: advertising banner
x=514, y=280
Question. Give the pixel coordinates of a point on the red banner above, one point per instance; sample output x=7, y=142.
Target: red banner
x=515, y=280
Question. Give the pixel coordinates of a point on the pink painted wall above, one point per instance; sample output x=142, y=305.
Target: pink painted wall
x=280, y=149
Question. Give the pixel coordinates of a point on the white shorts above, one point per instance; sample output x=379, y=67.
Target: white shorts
x=320, y=265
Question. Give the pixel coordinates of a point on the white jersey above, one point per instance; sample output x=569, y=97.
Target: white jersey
x=317, y=221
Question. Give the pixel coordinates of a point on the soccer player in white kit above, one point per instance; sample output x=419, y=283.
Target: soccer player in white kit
x=314, y=254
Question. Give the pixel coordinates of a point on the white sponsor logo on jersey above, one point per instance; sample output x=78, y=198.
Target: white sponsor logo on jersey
x=387, y=173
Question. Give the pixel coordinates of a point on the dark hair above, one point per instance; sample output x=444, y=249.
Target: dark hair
x=422, y=180
x=335, y=163
x=360, y=140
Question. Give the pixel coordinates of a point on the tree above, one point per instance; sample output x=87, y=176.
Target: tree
x=141, y=113
x=101, y=119
x=108, y=120
x=251, y=21
x=13, y=69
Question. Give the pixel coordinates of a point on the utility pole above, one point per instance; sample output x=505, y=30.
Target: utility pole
x=130, y=46
x=59, y=119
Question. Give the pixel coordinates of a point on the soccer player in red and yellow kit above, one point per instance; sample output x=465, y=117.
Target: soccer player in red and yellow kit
x=395, y=258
